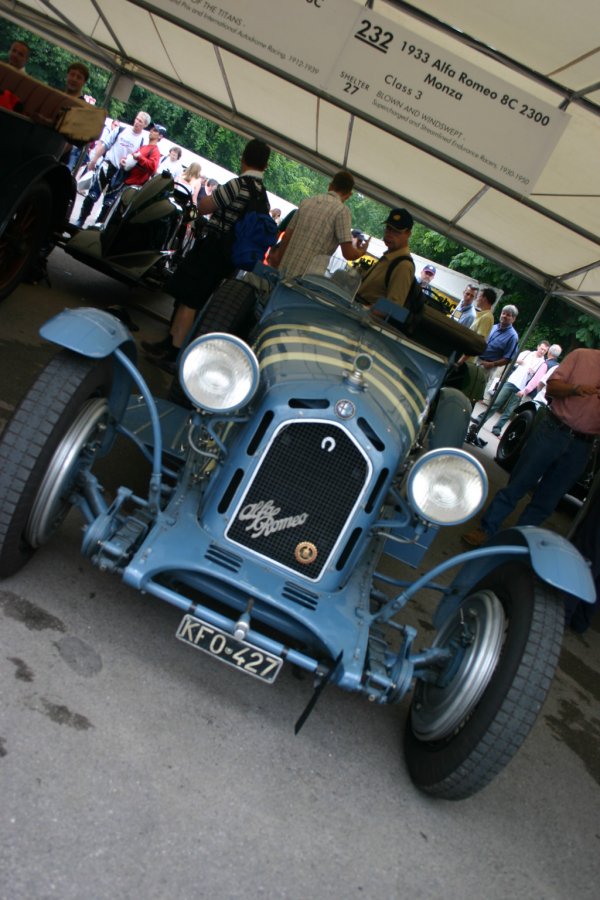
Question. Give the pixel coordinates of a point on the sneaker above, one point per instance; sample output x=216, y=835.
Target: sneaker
x=496, y=432
x=471, y=437
x=167, y=361
x=167, y=365
x=157, y=348
x=475, y=538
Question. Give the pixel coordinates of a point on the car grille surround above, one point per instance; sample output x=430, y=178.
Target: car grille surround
x=296, y=509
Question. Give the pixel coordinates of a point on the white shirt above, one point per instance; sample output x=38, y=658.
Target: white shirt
x=172, y=166
x=528, y=362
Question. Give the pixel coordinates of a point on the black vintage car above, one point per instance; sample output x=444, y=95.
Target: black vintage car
x=36, y=190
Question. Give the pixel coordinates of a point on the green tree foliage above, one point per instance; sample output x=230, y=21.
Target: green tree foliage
x=49, y=63
x=559, y=323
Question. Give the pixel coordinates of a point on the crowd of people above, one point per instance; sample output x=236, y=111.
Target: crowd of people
x=559, y=447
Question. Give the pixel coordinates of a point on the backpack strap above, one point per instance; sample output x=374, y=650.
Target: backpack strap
x=415, y=299
x=114, y=136
x=395, y=262
x=258, y=200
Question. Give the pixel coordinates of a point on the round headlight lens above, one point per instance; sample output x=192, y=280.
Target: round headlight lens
x=219, y=372
x=447, y=486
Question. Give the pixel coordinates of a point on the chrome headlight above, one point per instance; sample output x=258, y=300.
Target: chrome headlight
x=219, y=372
x=447, y=486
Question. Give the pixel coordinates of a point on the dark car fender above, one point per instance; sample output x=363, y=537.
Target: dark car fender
x=41, y=168
x=553, y=559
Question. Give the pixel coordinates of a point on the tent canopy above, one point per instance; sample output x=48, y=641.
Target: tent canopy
x=482, y=119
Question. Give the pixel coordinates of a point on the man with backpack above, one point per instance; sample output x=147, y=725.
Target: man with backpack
x=393, y=275
x=213, y=256
x=112, y=147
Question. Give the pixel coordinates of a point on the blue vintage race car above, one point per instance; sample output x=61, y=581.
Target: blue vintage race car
x=290, y=474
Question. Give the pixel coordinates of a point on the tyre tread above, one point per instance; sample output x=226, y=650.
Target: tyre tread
x=26, y=443
x=516, y=714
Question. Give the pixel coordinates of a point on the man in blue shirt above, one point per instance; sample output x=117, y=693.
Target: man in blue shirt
x=500, y=349
x=464, y=313
x=502, y=343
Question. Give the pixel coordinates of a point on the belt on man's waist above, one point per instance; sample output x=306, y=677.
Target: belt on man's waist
x=580, y=435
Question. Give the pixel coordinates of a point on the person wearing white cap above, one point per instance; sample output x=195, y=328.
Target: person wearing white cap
x=426, y=277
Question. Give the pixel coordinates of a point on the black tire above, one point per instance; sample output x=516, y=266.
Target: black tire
x=42, y=449
x=25, y=232
x=513, y=438
x=231, y=309
x=460, y=736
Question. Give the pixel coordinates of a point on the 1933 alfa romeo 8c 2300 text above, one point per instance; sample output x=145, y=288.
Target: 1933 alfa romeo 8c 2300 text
x=283, y=472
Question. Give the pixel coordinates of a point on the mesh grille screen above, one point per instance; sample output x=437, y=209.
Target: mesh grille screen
x=304, y=491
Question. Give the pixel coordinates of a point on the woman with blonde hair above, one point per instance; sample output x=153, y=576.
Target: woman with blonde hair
x=191, y=178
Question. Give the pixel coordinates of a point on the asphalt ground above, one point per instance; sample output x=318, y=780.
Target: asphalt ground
x=132, y=767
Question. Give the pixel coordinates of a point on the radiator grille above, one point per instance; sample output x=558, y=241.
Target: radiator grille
x=305, y=489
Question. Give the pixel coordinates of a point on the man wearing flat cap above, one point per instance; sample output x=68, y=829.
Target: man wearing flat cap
x=392, y=276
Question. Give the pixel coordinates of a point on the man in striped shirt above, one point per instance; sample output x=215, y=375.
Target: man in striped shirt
x=209, y=260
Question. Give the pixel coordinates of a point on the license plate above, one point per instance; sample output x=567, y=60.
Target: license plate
x=223, y=646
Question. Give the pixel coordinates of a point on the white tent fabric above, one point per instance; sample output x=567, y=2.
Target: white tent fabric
x=549, y=54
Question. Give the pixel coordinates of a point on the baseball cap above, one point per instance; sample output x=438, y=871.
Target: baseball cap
x=429, y=268
x=399, y=219
x=160, y=128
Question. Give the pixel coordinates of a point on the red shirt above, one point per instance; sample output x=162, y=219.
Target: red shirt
x=579, y=413
x=146, y=166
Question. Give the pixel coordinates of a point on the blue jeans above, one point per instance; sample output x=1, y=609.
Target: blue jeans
x=506, y=396
x=509, y=409
x=551, y=460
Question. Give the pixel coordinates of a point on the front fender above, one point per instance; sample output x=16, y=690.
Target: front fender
x=90, y=332
x=553, y=559
x=96, y=334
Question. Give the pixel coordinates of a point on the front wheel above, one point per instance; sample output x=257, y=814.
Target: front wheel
x=21, y=240
x=515, y=435
x=467, y=723
x=52, y=435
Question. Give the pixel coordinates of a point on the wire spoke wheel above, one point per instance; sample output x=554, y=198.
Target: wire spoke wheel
x=476, y=632
x=468, y=719
x=51, y=438
x=51, y=504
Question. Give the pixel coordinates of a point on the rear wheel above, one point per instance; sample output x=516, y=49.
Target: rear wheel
x=515, y=435
x=53, y=434
x=231, y=308
x=21, y=240
x=467, y=723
